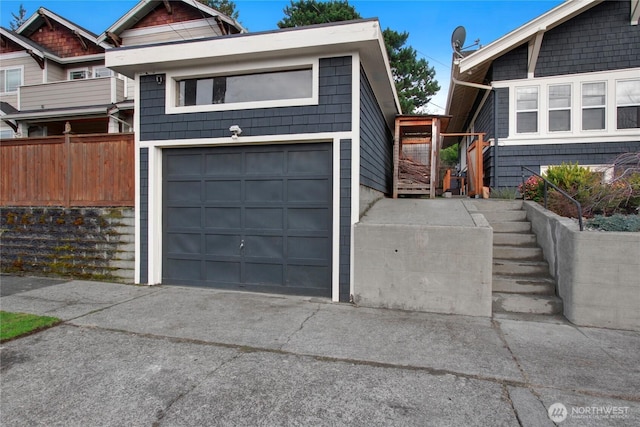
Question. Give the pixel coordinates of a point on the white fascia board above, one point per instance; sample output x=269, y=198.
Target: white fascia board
x=89, y=111
x=545, y=22
x=323, y=39
x=75, y=59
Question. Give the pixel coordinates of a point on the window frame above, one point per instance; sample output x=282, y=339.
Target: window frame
x=593, y=107
x=3, y=83
x=73, y=70
x=617, y=106
x=173, y=81
x=99, y=67
x=529, y=110
x=551, y=109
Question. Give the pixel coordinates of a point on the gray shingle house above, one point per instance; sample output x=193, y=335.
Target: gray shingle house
x=567, y=86
x=257, y=153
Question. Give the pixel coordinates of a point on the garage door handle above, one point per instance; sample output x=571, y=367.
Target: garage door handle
x=241, y=244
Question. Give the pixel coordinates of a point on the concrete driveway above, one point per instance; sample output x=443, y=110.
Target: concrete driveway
x=171, y=356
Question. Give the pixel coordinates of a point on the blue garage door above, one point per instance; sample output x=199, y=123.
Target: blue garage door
x=256, y=218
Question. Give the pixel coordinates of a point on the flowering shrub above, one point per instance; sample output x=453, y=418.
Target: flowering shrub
x=532, y=189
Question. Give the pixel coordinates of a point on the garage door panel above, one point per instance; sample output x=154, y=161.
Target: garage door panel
x=308, y=190
x=183, y=164
x=183, y=243
x=222, y=271
x=270, y=191
x=317, y=248
x=263, y=273
x=309, y=162
x=306, y=276
x=312, y=219
x=223, y=164
x=223, y=244
x=185, y=217
x=224, y=217
x=182, y=269
x=185, y=191
x=257, y=218
x=264, y=246
x=264, y=163
x=263, y=218
x=223, y=191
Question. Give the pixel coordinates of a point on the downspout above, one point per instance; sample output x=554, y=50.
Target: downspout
x=495, y=138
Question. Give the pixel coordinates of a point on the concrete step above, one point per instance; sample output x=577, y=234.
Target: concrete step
x=506, y=267
x=511, y=227
x=504, y=216
x=498, y=205
x=524, y=285
x=520, y=303
x=515, y=239
x=556, y=319
x=531, y=253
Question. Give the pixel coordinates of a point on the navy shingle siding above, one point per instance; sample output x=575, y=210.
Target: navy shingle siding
x=333, y=114
x=345, y=220
x=376, y=142
x=144, y=215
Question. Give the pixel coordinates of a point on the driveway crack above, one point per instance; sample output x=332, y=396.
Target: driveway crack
x=301, y=326
x=162, y=413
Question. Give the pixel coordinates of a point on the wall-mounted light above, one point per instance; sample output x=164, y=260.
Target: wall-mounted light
x=159, y=79
x=235, y=131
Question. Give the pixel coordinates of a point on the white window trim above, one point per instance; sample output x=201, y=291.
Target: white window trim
x=576, y=135
x=550, y=109
x=606, y=106
x=96, y=67
x=13, y=67
x=172, y=79
x=71, y=70
x=536, y=110
x=616, y=106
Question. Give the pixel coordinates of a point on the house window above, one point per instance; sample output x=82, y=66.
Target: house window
x=594, y=100
x=559, y=108
x=6, y=134
x=79, y=74
x=10, y=79
x=102, y=72
x=628, y=104
x=290, y=84
x=527, y=109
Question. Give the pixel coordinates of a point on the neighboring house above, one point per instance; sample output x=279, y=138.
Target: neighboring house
x=52, y=71
x=567, y=85
x=257, y=153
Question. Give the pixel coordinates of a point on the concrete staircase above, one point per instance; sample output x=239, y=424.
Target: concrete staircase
x=522, y=284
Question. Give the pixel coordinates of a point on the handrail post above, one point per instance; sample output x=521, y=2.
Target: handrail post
x=545, y=195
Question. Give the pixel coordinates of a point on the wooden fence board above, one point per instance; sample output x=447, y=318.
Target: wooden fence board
x=38, y=172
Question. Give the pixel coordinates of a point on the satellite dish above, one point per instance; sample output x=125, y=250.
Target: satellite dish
x=457, y=39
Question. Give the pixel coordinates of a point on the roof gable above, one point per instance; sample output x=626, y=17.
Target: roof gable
x=148, y=13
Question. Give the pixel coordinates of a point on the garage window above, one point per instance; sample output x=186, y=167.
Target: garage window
x=290, y=84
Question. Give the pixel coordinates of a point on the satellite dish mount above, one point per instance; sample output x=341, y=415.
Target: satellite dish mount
x=457, y=41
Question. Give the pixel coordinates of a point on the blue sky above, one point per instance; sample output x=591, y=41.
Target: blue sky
x=429, y=22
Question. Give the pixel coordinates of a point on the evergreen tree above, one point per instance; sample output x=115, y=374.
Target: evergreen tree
x=228, y=7
x=18, y=19
x=414, y=78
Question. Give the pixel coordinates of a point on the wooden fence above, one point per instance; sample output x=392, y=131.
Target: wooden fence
x=68, y=170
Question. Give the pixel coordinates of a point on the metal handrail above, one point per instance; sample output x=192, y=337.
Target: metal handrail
x=549, y=183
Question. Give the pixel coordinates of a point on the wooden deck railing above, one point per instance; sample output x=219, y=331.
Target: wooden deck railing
x=68, y=170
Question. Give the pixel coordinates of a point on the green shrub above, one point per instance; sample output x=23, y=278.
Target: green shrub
x=509, y=193
x=615, y=222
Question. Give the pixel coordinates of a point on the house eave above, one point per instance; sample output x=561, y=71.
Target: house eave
x=57, y=113
x=363, y=36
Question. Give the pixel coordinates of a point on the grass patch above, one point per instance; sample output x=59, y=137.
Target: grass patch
x=14, y=325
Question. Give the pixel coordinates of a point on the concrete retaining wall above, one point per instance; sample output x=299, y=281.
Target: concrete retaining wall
x=424, y=255
x=88, y=243
x=597, y=273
